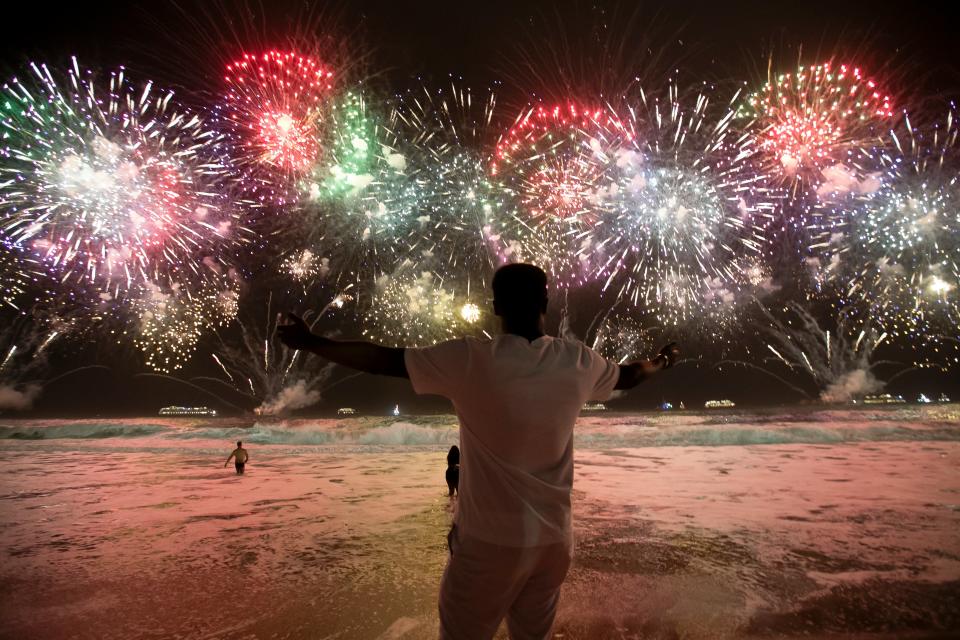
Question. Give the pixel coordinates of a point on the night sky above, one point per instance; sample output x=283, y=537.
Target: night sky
x=911, y=44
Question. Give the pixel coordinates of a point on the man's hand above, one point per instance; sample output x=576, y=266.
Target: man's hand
x=667, y=356
x=296, y=334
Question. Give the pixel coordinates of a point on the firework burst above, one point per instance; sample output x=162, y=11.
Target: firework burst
x=107, y=185
x=813, y=120
x=415, y=309
x=895, y=248
x=677, y=206
x=350, y=146
x=272, y=111
x=169, y=323
x=409, y=185
x=305, y=266
x=546, y=161
x=447, y=133
x=622, y=338
x=352, y=199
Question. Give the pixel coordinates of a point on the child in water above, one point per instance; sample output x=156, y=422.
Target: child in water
x=453, y=470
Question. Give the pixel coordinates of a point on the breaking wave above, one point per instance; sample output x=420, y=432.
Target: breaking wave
x=82, y=430
x=767, y=427
x=333, y=432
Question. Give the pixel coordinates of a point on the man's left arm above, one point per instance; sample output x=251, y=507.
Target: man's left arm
x=634, y=373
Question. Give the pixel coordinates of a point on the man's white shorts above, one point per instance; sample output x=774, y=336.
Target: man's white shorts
x=483, y=583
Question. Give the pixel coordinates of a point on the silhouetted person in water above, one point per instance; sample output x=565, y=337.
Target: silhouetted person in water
x=453, y=470
x=517, y=397
x=240, y=457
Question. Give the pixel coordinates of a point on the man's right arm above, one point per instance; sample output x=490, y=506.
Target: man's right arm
x=633, y=373
x=362, y=356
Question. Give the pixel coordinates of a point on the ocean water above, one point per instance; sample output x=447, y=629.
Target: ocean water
x=810, y=521
x=595, y=430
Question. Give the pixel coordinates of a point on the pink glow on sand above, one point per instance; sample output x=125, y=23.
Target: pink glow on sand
x=150, y=536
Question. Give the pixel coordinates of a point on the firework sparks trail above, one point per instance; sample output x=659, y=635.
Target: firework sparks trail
x=9, y=355
x=277, y=378
x=53, y=335
x=24, y=339
x=219, y=362
x=839, y=363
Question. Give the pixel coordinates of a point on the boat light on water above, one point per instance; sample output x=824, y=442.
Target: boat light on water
x=719, y=404
x=883, y=398
x=206, y=412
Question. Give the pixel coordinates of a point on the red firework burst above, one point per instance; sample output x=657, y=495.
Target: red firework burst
x=815, y=118
x=555, y=160
x=548, y=154
x=274, y=106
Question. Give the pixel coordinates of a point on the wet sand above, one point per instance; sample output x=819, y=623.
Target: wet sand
x=109, y=540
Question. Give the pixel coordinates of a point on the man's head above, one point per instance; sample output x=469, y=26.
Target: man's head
x=239, y=444
x=519, y=292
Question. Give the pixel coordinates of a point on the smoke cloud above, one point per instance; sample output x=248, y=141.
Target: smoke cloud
x=296, y=396
x=839, y=180
x=360, y=182
x=14, y=399
x=395, y=161
x=851, y=385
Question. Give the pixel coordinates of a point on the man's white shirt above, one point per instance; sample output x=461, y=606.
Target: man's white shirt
x=517, y=402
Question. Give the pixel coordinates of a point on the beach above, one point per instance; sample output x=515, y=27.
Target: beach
x=825, y=523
